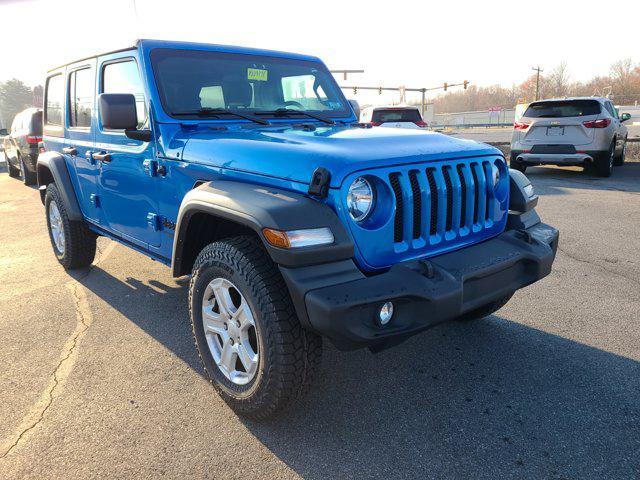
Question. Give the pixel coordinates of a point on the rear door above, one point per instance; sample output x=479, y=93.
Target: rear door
x=80, y=132
x=560, y=122
x=128, y=187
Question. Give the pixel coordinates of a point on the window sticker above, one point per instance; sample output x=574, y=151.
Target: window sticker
x=257, y=74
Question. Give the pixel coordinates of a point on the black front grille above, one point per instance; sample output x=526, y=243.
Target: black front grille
x=445, y=185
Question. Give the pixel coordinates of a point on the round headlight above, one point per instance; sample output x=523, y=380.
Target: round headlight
x=495, y=172
x=360, y=199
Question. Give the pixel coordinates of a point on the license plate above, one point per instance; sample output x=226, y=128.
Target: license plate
x=555, y=131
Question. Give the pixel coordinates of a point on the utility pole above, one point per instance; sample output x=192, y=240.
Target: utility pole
x=537, y=70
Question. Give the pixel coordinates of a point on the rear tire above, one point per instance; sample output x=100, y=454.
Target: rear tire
x=73, y=243
x=603, y=163
x=485, y=310
x=265, y=358
x=516, y=164
x=28, y=177
x=618, y=161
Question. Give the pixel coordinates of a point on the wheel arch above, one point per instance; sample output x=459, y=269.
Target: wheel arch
x=211, y=212
x=52, y=168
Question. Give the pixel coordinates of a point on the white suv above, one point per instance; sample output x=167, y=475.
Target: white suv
x=398, y=117
x=573, y=131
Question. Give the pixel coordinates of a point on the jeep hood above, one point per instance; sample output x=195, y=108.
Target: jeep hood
x=293, y=153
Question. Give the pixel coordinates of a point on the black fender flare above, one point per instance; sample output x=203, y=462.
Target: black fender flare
x=51, y=167
x=258, y=207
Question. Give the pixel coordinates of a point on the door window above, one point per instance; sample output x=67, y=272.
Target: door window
x=54, y=99
x=304, y=90
x=81, y=98
x=124, y=77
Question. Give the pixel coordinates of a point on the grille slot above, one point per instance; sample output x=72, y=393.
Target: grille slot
x=463, y=195
x=397, y=221
x=417, y=203
x=449, y=205
x=476, y=193
x=488, y=184
x=433, y=229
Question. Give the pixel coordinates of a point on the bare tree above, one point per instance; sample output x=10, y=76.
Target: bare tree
x=558, y=83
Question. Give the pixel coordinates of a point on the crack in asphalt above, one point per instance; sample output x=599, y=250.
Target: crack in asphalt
x=65, y=365
x=591, y=262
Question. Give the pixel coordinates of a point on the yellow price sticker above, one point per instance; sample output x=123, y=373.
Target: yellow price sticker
x=257, y=74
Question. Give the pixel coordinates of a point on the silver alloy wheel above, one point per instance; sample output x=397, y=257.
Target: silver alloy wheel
x=57, y=227
x=230, y=330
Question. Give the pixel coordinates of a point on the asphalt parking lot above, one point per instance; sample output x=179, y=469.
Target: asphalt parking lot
x=100, y=377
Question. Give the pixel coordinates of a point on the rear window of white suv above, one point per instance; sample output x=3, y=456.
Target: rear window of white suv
x=563, y=108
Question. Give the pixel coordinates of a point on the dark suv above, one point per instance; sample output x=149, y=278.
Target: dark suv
x=21, y=145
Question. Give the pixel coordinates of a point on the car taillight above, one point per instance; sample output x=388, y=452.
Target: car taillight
x=420, y=123
x=604, y=123
x=375, y=124
x=520, y=126
x=33, y=139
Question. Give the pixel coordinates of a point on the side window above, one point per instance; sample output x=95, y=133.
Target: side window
x=614, y=111
x=123, y=77
x=54, y=99
x=81, y=98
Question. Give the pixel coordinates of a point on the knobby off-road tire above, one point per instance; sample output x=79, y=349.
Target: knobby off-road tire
x=73, y=243
x=288, y=356
x=485, y=310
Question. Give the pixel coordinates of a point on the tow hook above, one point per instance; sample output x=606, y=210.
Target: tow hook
x=427, y=266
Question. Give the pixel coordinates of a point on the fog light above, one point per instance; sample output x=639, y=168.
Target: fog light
x=385, y=313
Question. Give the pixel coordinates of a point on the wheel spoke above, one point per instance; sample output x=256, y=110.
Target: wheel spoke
x=223, y=299
x=212, y=321
x=227, y=357
x=248, y=358
x=244, y=316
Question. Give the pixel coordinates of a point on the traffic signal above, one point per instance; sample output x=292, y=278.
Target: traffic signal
x=379, y=90
x=465, y=83
x=355, y=90
x=446, y=85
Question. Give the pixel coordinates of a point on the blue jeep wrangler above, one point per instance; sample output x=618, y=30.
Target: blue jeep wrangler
x=248, y=171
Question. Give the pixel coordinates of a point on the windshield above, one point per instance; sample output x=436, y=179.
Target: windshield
x=557, y=109
x=396, y=115
x=192, y=81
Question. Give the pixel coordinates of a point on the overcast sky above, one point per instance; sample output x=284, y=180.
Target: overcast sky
x=415, y=44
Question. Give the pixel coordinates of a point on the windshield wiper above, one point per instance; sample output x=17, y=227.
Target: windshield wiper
x=216, y=112
x=283, y=112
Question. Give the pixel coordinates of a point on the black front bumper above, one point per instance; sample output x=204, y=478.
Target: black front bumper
x=337, y=301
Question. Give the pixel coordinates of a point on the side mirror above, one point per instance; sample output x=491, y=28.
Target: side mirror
x=3, y=132
x=356, y=108
x=624, y=117
x=118, y=112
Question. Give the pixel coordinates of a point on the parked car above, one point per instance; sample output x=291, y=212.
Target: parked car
x=397, y=117
x=3, y=133
x=575, y=131
x=247, y=170
x=21, y=145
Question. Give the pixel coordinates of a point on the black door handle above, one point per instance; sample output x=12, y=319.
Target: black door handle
x=103, y=157
x=70, y=150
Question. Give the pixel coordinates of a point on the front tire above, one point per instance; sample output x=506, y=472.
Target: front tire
x=73, y=243
x=253, y=349
x=14, y=172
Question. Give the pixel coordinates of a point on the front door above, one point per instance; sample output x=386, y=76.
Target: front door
x=80, y=136
x=127, y=187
